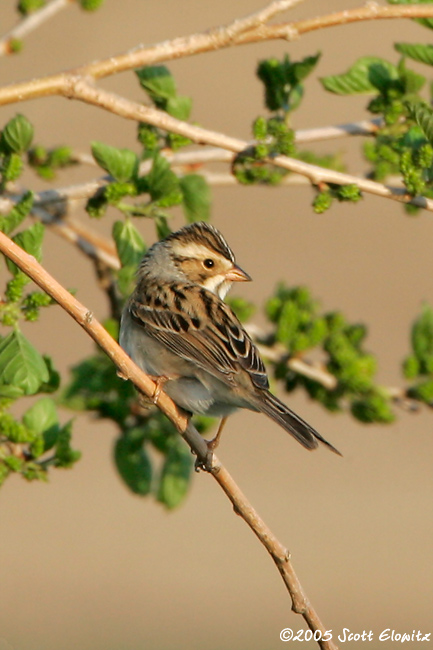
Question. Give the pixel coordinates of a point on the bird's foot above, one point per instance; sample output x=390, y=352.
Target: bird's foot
x=160, y=382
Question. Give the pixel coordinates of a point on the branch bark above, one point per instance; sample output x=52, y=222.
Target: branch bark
x=127, y=368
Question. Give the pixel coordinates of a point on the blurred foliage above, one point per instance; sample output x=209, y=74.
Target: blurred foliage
x=149, y=455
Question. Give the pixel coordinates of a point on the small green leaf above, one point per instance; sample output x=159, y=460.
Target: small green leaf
x=29, y=240
x=162, y=181
x=65, y=455
x=91, y=5
x=53, y=382
x=422, y=334
x=18, y=134
x=412, y=82
x=125, y=279
x=21, y=365
x=423, y=116
x=16, y=216
x=42, y=419
x=26, y=7
x=176, y=476
x=132, y=461
x=163, y=230
x=122, y=164
x=179, y=106
x=157, y=81
x=422, y=391
x=367, y=75
x=411, y=367
x=10, y=392
x=197, y=198
x=130, y=245
x=301, y=69
x=416, y=51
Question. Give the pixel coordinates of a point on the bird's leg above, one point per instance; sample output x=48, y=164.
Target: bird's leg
x=213, y=444
x=160, y=383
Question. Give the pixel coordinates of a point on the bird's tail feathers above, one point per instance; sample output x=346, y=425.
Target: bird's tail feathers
x=295, y=425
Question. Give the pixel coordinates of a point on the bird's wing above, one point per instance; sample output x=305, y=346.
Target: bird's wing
x=204, y=331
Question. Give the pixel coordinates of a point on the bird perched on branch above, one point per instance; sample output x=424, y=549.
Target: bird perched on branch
x=178, y=329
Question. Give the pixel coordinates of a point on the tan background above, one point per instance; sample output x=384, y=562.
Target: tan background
x=84, y=564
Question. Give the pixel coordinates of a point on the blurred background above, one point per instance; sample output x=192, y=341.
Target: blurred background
x=84, y=562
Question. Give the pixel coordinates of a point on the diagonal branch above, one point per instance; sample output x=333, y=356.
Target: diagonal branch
x=128, y=369
x=211, y=40
x=30, y=23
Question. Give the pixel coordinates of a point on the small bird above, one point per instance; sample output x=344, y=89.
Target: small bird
x=178, y=329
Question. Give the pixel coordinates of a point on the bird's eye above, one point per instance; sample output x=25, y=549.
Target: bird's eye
x=208, y=263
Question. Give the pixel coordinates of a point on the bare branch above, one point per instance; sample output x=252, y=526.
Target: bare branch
x=128, y=370
x=30, y=23
x=258, y=18
x=208, y=41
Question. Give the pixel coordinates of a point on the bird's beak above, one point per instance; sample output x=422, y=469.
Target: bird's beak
x=236, y=274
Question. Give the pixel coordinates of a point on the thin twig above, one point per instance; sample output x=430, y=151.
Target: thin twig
x=30, y=23
x=242, y=25
x=128, y=370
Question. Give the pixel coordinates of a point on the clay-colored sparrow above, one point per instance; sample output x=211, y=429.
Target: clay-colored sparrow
x=176, y=327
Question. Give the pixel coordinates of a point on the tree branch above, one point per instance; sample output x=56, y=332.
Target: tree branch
x=84, y=91
x=30, y=23
x=211, y=40
x=128, y=370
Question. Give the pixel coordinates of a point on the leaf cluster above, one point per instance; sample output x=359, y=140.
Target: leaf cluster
x=300, y=327
x=160, y=188
x=404, y=144
x=145, y=436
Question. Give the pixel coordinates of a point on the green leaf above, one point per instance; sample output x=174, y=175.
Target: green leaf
x=272, y=73
x=95, y=386
x=122, y=164
x=179, y=106
x=163, y=230
x=132, y=461
x=65, y=455
x=301, y=69
x=29, y=240
x=53, y=382
x=412, y=82
x=163, y=182
x=10, y=392
x=176, y=476
x=28, y=6
x=125, y=279
x=130, y=245
x=422, y=334
x=18, y=134
x=42, y=419
x=158, y=82
x=16, y=216
x=423, y=116
x=197, y=198
x=416, y=51
x=21, y=365
x=367, y=75
x=91, y=5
